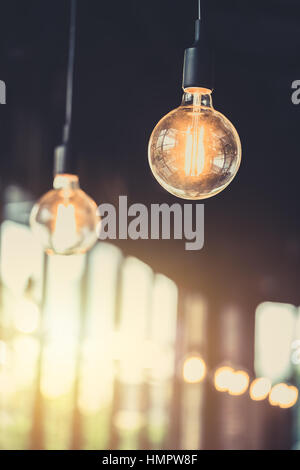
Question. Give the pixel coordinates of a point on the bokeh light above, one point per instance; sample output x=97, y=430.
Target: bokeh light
x=58, y=371
x=127, y=420
x=260, y=388
x=2, y=353
x=25, y=351
x=194, y=369
x=283, y=395
x=228, y=380
x=238, y=383
x=26, y=316
x=222, y=378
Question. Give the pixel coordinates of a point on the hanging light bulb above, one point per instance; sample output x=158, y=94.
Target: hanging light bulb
x=194, y=151
x=65, y=219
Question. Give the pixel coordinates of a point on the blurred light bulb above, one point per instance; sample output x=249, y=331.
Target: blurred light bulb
x=194, y=151
x=238, y=382
x=65, y=218
x=222, y=378
x=283, y=395
x=260, y=388
x=194, y=369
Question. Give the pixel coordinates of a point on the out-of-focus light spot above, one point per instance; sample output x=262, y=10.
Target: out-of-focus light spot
x=2, y=353
x=231, y=381
x=260, y=388
x=158, y=360
x=283, y=395
x=129, y=420
x=26, y=351
x=88, y=405
x=66, y=268
x=222, y=378
x=125, y=348
x=101, y=291
x=94, y=394
x=26, y=316
x=164, y=299
x=6, y=419
x=136, y=287
x=276, y=394
x=135, y=292
x=7, y=384
x=194, y=369
x=95, y=378
x=19, y=264
x=162, y=367
x=238, y=383
x=275, y=327
x=58, y=371
x=160, y=351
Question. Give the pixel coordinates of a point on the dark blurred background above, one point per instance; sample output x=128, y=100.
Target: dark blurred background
x=128, y=74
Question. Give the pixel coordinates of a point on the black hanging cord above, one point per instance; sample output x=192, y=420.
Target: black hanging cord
x=62, y=153
x=70, y=74
x=198, y=59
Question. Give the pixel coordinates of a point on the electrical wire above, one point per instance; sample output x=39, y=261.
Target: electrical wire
x=199, y=9
x=70, y=75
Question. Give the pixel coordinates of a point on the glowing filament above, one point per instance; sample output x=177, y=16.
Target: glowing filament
x=194, y=151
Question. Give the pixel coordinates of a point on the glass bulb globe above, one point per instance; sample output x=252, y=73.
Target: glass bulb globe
x=194, y=151
x=65, y=219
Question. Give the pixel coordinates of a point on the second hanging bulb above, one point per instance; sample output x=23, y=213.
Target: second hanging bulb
x=65, y=219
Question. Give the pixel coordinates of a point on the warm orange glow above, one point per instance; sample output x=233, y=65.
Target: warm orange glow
x=222, y=378
x=238, y=383
x=231, y=381
x=194, y=151
x=260, y=388
x=283, y=395
x=65, y=219
x=194, y=369
x=197, y=90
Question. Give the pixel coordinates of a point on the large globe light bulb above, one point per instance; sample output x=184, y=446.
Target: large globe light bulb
x=65, y=219
x=194, y=151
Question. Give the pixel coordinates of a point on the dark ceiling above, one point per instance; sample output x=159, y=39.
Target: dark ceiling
x=127, y=76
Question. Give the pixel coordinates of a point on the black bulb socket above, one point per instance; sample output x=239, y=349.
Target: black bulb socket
x=63, y=164
x=198, y=61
